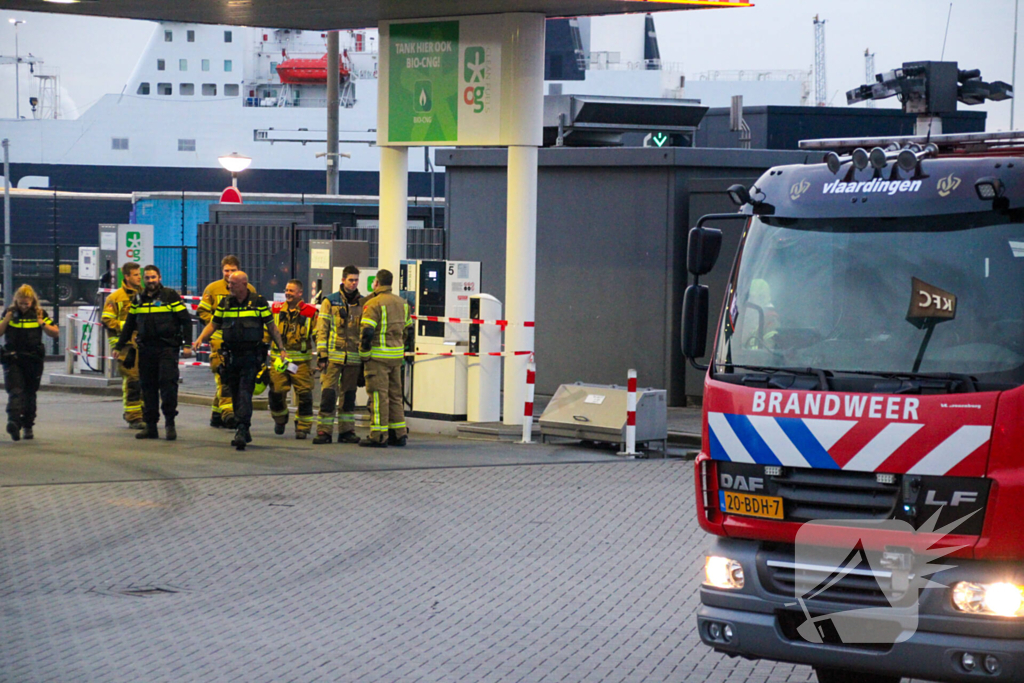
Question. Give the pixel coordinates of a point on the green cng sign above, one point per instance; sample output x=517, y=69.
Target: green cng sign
x=423, y=82
x=449, y=82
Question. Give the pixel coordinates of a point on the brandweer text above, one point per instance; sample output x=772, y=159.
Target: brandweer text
x=831, y=405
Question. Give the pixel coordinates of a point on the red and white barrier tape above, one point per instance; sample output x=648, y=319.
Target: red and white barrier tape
x=75, y=316
x=467, y=353
x=630, y=414
x=191, y=363
x=531, y=378
x=471, y=321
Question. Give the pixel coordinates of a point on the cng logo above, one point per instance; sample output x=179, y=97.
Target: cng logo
x=947, y=185
x=423, y=95
x=133, y=245
x=475, y=74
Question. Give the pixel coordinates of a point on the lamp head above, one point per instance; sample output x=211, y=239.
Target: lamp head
x=235, y=162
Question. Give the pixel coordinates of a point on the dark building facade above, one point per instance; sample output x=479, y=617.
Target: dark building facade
x=611, y=251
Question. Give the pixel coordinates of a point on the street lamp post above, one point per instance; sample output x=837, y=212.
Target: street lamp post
x=17, y=68
x=236, y=163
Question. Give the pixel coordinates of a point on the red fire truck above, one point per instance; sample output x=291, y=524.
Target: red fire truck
x=862, y=467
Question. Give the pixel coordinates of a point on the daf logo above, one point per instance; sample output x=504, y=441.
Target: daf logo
x=947, y=185
x=798, y=189
x=740, y=483
x=958, y=497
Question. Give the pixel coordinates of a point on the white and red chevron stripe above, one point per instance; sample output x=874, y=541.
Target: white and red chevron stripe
x=938, y=449
x=928, y=435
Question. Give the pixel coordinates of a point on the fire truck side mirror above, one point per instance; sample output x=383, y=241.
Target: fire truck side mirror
x=702, y=250
x=695, y=321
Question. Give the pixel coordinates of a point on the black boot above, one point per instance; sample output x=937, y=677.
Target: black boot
x=321, y=438
x=148, y=432
x=230, y=423
x=216, y=420
x=370, y=443
x=26, y=433
x=279, y=427
x=396, y=441
x=348, y=437
x=14, y=430
x=240, y=439
x=170, y=433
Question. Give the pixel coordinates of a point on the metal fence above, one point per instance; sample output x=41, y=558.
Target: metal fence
x=179, y=268
x=421, y=243
x=51, y=270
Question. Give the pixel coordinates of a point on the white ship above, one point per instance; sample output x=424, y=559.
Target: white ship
x=201, y=91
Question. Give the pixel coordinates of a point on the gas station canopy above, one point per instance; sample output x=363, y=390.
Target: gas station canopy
x=342, y=14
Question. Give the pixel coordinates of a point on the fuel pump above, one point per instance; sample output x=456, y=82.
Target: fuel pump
x=440, y=289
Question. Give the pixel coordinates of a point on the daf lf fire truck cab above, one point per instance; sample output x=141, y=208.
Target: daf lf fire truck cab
x=862, y=467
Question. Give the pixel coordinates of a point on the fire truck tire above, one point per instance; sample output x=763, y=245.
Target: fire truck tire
x=826, y=675
x=67, y=292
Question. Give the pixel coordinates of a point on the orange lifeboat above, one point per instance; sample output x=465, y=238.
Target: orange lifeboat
x=308, y=70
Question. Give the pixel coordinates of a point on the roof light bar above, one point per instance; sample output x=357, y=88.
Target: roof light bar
x=980, y=140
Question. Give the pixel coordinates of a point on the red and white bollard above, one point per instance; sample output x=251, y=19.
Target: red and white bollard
x=630, y=415
x=531, y=377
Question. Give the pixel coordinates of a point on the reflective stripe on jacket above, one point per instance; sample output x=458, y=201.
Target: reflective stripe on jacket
x=160, y=318
x=388, y=316
x=25, y=333
x=242, y=322
x=337, y=334
x=213, y=295
x=115, y=311
x=296, y=327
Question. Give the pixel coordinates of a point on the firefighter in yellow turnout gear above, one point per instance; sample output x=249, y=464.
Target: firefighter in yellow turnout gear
x=337, y=345
x=386, y=334
x=115, y=312
x=223, y=410
x=296, y=320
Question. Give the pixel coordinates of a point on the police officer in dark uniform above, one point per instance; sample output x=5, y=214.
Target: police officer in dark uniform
x=241, y=318
x=23, y=326
x=163, y=325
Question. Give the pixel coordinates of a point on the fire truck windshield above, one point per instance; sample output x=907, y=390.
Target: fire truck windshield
x=881, y=295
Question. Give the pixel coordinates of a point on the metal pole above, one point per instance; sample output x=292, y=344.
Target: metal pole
x=520, y=274
x=333, y=160
x=56, y=273
x=1013, y=78
x=394, y=207
x=184, y=249
x=17, y=73
x=8, y=262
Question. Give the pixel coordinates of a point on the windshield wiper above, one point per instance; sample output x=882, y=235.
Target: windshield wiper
x=918, y=382
x=784, y=378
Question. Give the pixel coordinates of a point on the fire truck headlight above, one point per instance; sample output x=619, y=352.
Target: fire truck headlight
x=998, y=599
x=721, y=572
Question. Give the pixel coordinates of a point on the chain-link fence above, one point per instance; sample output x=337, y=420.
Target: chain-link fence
x=179, y=267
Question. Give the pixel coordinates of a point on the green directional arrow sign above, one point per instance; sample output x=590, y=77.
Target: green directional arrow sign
x=659, y=139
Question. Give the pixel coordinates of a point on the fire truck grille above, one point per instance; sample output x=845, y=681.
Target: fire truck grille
x=823, y=494
x=791, y=579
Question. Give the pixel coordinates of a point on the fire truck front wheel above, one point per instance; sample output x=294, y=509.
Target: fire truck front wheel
x=827, y=675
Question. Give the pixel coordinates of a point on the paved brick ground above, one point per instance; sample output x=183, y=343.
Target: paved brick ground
x=571, y=571
x=542, y=573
